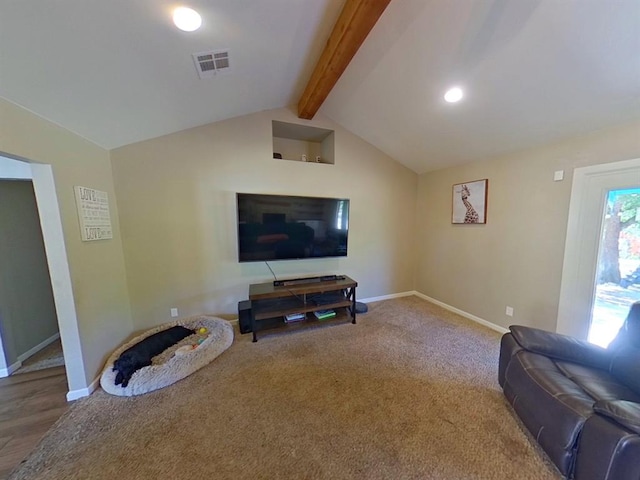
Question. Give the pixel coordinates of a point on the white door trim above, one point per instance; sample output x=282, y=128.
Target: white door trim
x=588, y=194
x=53, y=235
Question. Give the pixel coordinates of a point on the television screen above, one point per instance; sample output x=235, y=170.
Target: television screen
x=279, y=227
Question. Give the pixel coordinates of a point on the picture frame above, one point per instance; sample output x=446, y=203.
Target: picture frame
x=469, y=202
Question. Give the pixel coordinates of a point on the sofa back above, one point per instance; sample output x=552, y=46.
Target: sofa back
x=629, y=333
x=625, y=363
x=625, y=366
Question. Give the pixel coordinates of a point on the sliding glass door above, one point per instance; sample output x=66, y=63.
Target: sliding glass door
x=617, y=282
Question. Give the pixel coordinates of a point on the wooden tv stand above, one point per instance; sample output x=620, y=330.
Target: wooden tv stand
x=269, y=304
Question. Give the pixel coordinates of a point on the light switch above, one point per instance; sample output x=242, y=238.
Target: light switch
x=558, y=175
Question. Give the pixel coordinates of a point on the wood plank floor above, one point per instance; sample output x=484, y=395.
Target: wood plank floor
x=30, y=403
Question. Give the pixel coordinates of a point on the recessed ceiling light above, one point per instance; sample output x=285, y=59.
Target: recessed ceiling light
x=453, y=95
x=187, y=19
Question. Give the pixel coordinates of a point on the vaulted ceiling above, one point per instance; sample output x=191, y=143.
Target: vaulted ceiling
x=533, y=71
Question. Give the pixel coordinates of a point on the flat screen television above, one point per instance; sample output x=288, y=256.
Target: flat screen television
x=282, y=227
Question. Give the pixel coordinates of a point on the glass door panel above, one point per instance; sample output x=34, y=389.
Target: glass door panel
x=618, y=271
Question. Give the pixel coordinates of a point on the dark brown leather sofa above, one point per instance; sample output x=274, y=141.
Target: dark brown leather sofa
x=580, y=402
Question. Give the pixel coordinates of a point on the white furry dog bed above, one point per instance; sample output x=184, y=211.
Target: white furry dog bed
x=169, y=367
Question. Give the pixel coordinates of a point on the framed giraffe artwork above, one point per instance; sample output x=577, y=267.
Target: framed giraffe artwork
x=470, y=202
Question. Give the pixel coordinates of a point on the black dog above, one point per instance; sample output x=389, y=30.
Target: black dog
x=141, y=353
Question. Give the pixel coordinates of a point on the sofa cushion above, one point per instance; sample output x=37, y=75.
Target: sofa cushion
x=551, y=406
x=625, y=366
x=599, y=384
x=625, y=413
x=561, y=347
x=607, y=451
x=553, y=382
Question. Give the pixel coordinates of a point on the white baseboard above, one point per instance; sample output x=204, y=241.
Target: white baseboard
x=462, y=313
x=37, y=348
x=5, y=372
x=385, y=297
x=83, y=392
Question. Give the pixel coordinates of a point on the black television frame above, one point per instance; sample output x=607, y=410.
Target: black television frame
x=306, y=237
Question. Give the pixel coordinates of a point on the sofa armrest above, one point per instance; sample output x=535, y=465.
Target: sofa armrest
x=561, y=347
x=625, y=413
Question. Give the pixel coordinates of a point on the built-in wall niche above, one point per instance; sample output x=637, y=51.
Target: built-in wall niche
x=302, y=143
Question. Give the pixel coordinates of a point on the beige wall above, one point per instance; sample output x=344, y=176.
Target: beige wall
x=178, y=216
x=516, y=258
x=97, y=268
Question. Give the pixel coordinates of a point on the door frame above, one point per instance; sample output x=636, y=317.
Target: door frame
x=584, y=228
x=53, y=235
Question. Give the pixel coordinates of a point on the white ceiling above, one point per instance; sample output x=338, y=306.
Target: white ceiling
x=118, y=71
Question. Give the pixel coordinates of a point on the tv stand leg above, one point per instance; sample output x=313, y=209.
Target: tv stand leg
x=253, y=324
x=352, y=296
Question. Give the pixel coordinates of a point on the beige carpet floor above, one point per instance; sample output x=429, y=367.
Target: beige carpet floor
x=410, y=392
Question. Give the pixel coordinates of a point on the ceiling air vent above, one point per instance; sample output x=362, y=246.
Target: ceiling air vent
x=209, y=64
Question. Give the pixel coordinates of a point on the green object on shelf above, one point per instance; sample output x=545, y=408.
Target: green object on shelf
x=324, y=314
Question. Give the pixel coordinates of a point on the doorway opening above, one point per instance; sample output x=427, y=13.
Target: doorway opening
x=29, y=324
x=617, y=283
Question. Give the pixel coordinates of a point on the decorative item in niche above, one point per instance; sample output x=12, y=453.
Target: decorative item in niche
x=93, y=213
x=470, y=202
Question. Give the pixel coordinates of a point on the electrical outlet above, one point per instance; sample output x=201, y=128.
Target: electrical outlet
x=509, y=311
x=174, y=312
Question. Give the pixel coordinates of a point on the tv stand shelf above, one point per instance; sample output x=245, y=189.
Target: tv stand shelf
x=269, y=303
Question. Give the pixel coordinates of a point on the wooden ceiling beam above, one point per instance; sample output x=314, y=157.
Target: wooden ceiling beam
x=354, y=24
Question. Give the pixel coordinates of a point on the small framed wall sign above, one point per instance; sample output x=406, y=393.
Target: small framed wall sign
x=93, y=212
x=470, y=202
